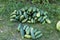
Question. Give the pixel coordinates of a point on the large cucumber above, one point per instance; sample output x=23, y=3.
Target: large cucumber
x=20, y=27
x=32, y=33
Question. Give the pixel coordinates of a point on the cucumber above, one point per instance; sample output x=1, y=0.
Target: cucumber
x=41, y=12
x=41, y=19
x=38, y=14
x=13, y=13
x=25, y=26
x=20, y=27
x=38, y=32
x=25, y=15
x=32, y=33
x=27, y=30
x=38, y=36
x=17, y=17
x=43, y=22
x=45, y=13
x=34, y=15
x=48, y=21
x=13, y=16
x=20, y=13
x=35, y=30
x=45, y=17
x=23, y=21
x=32, y=21
x=13, y=20
x=35, y=18
x=29, y=21
x=28, y=36
x=21, y=17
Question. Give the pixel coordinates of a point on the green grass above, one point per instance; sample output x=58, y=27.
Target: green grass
x=8, y=29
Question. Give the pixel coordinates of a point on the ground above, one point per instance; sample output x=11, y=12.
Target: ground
x=8, y=30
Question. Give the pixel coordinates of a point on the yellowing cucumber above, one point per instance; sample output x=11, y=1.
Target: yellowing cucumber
x=27, y=36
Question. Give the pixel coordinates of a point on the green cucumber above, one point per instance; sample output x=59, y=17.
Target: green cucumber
x=23, y=21
x=27, y=30
x=38, y=14
x=48, y=21
x=38, y=36
x=32, y=33
x=25, y=15
x=20, y=13
x=32, y=21
x=41, y=19
x=13, y=16
x=13, y=13
x=35, y=30
x=25, y=26
x=20, y=27
x=38, y=32
x=21, y=17
x=34, y=15
x=41, y=12
x=29, y=21
x=17, y=17
x=13, y=20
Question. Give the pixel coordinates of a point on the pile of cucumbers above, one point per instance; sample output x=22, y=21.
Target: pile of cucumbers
x=29, y=32
x=30, y=15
